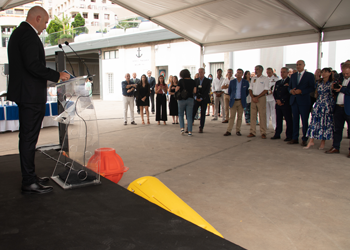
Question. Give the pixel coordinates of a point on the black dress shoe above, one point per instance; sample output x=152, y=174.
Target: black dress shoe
x=288, y=139
x=275, y=138
x=227, y=133
x=303, y=143
x=293, y=142
x=238, y=133
x=36, y=188
x=42, y=180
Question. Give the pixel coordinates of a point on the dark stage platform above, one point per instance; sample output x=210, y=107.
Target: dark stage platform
x=99, y=217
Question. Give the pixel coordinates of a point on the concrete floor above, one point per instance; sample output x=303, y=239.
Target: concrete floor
x=260, y=194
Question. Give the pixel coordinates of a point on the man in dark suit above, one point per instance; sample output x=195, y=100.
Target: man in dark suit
x=202, y=97
x=136, y=81
x=283, y=109
x=302, y=83
x=342, y=108
x=28, y=87
x=238, y=91
x=152, y=84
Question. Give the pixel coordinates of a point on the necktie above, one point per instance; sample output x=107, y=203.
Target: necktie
x=298, y=78
x=149, y=79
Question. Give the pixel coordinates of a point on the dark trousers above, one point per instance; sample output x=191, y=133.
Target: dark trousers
x=340, y=117
x=151, y=96
x=203, y=106
x=30, y=120
x=285, y=112
x=161, y=108
x=304, y=112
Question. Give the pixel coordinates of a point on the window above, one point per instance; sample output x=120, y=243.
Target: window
x=106, y=55
x=95, y=15
x=103, y=1
x=106, y=16
x=74, y=15
x=9, y=11
x=93, y=1
x=19, y=12
x=5, y=41
x=116, y=17
x=192, y=70
x=110, y=83
x=214, y=67
x=106, y=24
x=94, y=23
x=113, y=54
x=82, y=6
x=85, y=15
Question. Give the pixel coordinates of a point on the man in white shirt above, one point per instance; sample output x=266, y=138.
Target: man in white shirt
x=258, y=89
x=218, y=95
x=224, y=88
x=270, y=101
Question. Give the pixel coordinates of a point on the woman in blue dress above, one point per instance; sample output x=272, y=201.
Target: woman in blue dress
x=322, y=125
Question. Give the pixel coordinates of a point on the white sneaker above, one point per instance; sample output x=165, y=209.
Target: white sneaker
x=182, y=132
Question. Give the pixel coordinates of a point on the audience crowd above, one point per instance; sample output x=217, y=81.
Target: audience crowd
x=292, y=97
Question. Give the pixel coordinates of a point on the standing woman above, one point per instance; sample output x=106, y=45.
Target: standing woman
x=312, y=94
x=186, y=85
x=161, y=90
x=210, y=77
x=143, y=93
x=173, y=107
x=322, y=125
x=249, y=99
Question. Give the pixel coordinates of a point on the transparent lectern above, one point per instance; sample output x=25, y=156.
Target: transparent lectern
x=81, y=138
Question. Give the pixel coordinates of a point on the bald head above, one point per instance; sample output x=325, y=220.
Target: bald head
x=38, y=18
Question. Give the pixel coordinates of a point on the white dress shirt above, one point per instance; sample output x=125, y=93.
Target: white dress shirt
x=216, y=85
x=272, y=81
x=226, y=82
x=340, y=98
x=259, y=84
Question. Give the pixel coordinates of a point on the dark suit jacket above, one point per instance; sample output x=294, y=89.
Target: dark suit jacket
x=137, y=81
x=27, y=65
x=152, y=84
x=244, y=92
x=205, y=90
x=306, y=85
x=281, y=92
x=346, y=91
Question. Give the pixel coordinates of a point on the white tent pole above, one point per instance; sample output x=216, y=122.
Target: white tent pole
x=319, y=50
x=201, y=59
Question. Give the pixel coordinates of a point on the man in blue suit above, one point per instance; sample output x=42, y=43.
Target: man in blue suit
x=342, y=109
x=302, y=83
x=238, y=91
x=152, y=84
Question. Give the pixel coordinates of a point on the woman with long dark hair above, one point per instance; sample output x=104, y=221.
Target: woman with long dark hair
x=186, y=86
x=321, y=126
x=173, y=107
x=143, y=93
x=161, y=90
x=210, y=77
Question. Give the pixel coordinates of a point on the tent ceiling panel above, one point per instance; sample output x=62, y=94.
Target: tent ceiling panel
x=8, y=4
x=218, y=22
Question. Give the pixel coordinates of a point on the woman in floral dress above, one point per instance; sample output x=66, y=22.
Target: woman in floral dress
x=322, y=125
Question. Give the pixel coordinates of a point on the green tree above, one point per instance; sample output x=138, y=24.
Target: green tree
x=64, y=22
x=53, y=30
x=79, y=21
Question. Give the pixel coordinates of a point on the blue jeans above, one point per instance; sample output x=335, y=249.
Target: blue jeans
x=188, y=106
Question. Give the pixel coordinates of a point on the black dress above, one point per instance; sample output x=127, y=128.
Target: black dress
x=161, y=108
x=141, y=93
x=174, y=110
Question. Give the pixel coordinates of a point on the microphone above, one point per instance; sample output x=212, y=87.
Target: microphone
x=60, y=46
x=87, y=69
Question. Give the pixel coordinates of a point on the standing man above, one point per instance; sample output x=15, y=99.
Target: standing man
x=302, y=83
x=290, y=72
x=224, y=88
x=152, y=84
x=270, y=101
x=202, y=96
x=28, y=88
x=218, y=95
x=238, y=91
x=136, y=81
x=259, y=86
x=128, y=89
x=342, y=108
x=283, y=108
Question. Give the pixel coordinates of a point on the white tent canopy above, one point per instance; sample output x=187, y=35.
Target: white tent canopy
x=8, y=4
x=229, y=25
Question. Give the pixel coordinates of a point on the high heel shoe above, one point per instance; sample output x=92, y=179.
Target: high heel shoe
x=164, y=123
x=158, y=123
x=143, y=122
x=148, y=122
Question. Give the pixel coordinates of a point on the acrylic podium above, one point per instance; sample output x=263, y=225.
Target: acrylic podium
x=81, y=137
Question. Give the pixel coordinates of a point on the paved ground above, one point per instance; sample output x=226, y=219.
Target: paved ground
x=260, y=194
